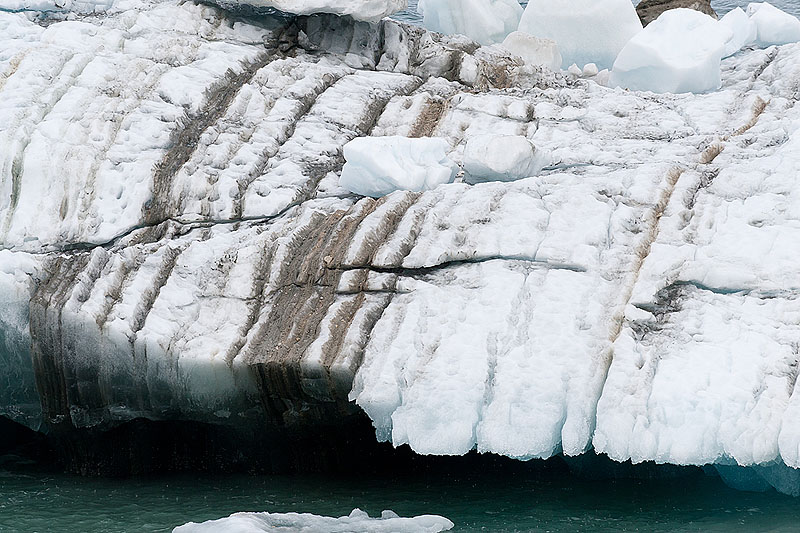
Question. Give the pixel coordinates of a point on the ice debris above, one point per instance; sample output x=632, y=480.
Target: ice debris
x=534, y=50
x=587, y=31
x=377, y=166
x=358, y=520
x=773, y=25
x=486, y=21
x=502, y=158
x=680, y=52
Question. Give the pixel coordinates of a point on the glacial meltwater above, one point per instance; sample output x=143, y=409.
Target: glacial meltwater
x=555, y=501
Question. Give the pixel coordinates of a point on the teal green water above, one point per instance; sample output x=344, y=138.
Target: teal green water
x=36, y=502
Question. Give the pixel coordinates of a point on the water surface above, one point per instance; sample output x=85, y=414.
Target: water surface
x=40, y=502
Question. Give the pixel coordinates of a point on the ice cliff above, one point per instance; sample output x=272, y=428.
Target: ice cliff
x=176, y=245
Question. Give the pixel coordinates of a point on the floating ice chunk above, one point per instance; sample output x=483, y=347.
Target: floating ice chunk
x=377, y=166
x=587, y=31
x=486, y=21
x=774, y=26
x=534, y=50
x=743, y=28
x=502, y=158
x=302, y=523
x=679, y=52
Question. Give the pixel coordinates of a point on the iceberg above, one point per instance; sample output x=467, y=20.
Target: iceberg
x=357, y=520
x=679, y=52
x=502, y=158
x=177, y=246
x=587, y=31
x=377, y=166
x=534, y=50
x=773, y=25
x=486, y=21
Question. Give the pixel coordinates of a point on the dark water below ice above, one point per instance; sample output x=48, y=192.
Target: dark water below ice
x=42, y=502
x=721, y=6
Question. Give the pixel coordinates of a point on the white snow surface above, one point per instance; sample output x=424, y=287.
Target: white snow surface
x=357, y=521
x=773, y=25
x=502, y=158
x=534, y=50
x=377, y=166
x=486, y=21
x=679, y=52
x=587, y=31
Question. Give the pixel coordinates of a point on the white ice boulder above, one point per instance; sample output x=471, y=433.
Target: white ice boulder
x=358, y=520
x=377, y=166
x=502, y=158
x=486, y=21
x=534, y=50
x=744, y=31
x=587, y=31
x=679, y=52
x=774, y=26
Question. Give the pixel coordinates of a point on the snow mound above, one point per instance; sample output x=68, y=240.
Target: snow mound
x=502, y=158
x=534, y=50
x=744, y=31
x=308, y=523
x=679, y=52
x=774, y=26
x=377, y=166
x=587, y=31
x=486, y=21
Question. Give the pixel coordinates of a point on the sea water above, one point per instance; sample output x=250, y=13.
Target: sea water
x=46, y=502
x=721, y=7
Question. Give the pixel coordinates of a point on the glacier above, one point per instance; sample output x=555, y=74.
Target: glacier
x=176, y=244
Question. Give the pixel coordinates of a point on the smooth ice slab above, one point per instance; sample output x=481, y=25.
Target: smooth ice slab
x=534, y=50
x=587, y=31
x=679, y=52
x=502, y=158
x=307, y=523
x=774, y=26
x=486, y=21
x=377, y=166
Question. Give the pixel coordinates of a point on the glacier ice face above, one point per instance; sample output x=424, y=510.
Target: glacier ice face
x=366, y=10
x=486, y=21
x=502, y=158
x=587, y=31
x=172, y=165
x=679, y=52
x=534, y=50
x=744, y=30
x=357, y=520
x=773, y=25
x=377, y=166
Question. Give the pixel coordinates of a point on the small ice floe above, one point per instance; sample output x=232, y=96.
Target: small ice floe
x=486, y=21
x=502, y=158
x=377, y=166
x=679, y=52
x=587, y=31
x=357, y=521
x=773, y=26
